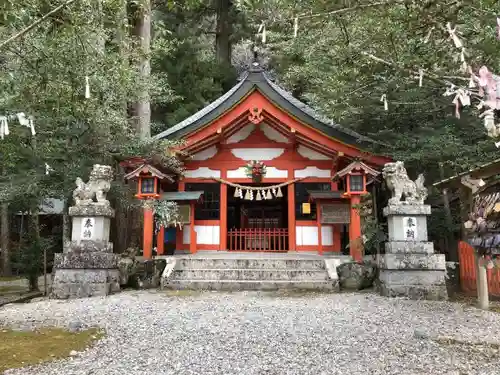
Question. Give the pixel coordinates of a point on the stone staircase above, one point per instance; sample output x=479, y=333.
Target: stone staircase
x=243, y=271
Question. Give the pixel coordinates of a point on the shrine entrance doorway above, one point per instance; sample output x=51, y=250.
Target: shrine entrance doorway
x=257, y=225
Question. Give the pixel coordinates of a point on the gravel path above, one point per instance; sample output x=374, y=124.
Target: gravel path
x=252, y=333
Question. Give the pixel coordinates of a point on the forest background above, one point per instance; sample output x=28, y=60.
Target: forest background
x=100, y=76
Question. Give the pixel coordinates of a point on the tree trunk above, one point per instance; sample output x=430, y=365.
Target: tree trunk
x=66, y=230
x=223, y=32
x=35, y=235
x=142, y=108
x=5, y=243
x=452, y=253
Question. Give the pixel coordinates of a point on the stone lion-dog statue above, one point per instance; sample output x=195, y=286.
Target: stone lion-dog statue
x=400, y=185
x=98, y=185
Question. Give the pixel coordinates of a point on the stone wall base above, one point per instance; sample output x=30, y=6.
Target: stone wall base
x=82, y=283
x=415, y=292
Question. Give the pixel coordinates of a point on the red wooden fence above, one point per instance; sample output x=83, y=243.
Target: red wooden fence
x=468, y=272
x=258, y=239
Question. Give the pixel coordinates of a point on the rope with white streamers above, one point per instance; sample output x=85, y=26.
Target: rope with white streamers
x=256, y=188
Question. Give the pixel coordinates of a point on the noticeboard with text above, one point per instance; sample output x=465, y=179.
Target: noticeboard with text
x=335, y=213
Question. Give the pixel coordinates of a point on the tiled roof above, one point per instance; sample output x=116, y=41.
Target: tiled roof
x=181, y=195
x=257, y=79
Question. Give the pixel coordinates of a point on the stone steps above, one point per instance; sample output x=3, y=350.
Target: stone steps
x=250, y=263
x=234, y=285
x=251, y=274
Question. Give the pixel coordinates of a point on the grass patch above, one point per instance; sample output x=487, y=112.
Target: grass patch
x=7, y=289
x=10, y=278
x=21, y=349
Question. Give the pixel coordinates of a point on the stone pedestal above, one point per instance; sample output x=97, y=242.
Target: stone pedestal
x=409, y=267
x=87, y=267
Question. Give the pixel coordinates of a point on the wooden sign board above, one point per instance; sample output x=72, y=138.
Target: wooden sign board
x=306, y=208
x=185, y=213
x=335, y=213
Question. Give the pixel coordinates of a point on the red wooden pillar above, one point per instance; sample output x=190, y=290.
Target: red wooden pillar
x=160, y=241
x=337, y=243
x=147, y=244
x=223, y=217
x=179, y=237
x=192, y=234
x=318, y=219
x=291, y=215
x=355, y=230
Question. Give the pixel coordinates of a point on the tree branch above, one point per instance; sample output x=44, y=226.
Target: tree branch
x=343, y=10
x=35, y=24
x=430, y=75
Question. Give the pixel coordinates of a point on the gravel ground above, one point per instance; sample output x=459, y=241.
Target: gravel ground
x=252, y=333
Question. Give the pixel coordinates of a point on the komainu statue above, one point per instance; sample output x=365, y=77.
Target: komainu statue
x=400, y=185
x=97, y=187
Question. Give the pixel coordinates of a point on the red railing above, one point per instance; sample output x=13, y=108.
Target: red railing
x=258, y=239
x=468, y=272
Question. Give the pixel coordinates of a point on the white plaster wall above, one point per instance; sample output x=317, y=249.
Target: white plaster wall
x=257, y=153
x=311, y=154
x=273, y=134
x=306, y=236
x=273, y=172
x=205, y=154
x=312, y=172
x=241, y=134
x=237, y=173
x=202, y=172
x=205, y=234
x=327, y=235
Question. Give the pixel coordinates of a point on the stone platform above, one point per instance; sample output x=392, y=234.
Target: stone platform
x=252, y=271
x=409, y=267
x=87, y=267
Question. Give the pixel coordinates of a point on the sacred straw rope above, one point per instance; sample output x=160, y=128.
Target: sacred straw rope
x=255, y=188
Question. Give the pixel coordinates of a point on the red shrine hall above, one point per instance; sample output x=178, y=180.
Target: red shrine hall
x=264, y=173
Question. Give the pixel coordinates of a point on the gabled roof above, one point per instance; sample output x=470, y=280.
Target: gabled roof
x=146, y=168
x=257, y=79
x=355, y=165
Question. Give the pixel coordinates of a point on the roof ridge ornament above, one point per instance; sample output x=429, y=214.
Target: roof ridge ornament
x=255, y=65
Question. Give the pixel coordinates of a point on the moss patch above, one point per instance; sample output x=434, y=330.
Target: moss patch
x=21, y=349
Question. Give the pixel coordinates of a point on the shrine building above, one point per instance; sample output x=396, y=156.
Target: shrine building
x=265, y=173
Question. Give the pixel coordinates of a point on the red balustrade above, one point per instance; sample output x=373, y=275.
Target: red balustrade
x=258, y=239
x=468, y=276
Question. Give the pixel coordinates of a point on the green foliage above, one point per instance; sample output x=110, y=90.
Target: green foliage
x=166, y=213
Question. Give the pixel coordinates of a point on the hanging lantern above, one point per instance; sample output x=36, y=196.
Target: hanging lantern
x=148, y=181
x=355, y=177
